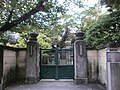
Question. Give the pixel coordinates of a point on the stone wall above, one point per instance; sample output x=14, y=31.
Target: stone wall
x=1, y=67
x=21, y=60
x=9, y=66
x=96, y=66
x=92, y=66
x=12, y=65
x=102, y=66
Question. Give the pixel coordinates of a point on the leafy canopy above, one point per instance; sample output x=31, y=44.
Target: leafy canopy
x=114, y=4
x=106, y=30
x=24, y=16
x=17, y=12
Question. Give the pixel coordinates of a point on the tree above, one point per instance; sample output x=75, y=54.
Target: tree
x=87, y=17
x=11, y=10
x=24, y=17
x=16, y=12
x=61, y=43
x=114, y=4
x=21, y=41
x=46, y=22
x=106, y=30
x=44, y=41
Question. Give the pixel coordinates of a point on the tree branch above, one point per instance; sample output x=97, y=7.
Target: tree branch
x=64, y=37
x=10, y=16
x=9, y=25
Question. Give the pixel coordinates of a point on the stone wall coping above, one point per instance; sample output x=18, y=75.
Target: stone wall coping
x=112, y=49
x=12, y=48
x=102, y=48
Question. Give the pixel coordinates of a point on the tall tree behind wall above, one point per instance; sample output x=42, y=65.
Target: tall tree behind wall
x=113, y=4
x=16, y=12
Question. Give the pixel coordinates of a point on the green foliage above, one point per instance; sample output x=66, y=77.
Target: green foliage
x=17, y=7
x=2, y=40
x=44, y=41
x=88, y=17
x=13, y=10
x=104, y=31
x=78, y=3
x=47, y=23
x=7, y=37
x=81, y=20
x=22, y=41
x=114, y=4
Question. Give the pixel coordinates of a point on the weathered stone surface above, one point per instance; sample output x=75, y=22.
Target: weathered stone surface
x=113, y=69
x=32, y=61
x=9, y=66
x=113, y=57
x=102, y=66
x=0, y=86
x=80, y=62
x=80, y=59
x=92, y=66
x=9, y=58
x=96, y=66
x=1, y=66
x=21, y=60
x=113, y=76
x=32, y=79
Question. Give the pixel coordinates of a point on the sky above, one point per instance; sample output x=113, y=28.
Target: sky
x=89, y=3
x=74, y=9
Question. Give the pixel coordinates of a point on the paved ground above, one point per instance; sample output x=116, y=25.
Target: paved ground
x=54, y=85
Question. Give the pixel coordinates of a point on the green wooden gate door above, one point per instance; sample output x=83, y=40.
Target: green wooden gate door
x=57, y=64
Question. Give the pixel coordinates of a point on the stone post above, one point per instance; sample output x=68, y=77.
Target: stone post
x=80, y=59
x=32, y=61
x=1, y=68
x=113, y=68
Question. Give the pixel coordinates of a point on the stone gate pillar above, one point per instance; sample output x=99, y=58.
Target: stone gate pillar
x=32, y=61
x=80, y=59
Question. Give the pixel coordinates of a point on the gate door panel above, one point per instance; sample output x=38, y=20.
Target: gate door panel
x=57, y=64
x=65, y=67
x=48, y=64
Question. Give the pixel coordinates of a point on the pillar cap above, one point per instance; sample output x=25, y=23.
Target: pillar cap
x=33, y=36
x=79, y=35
